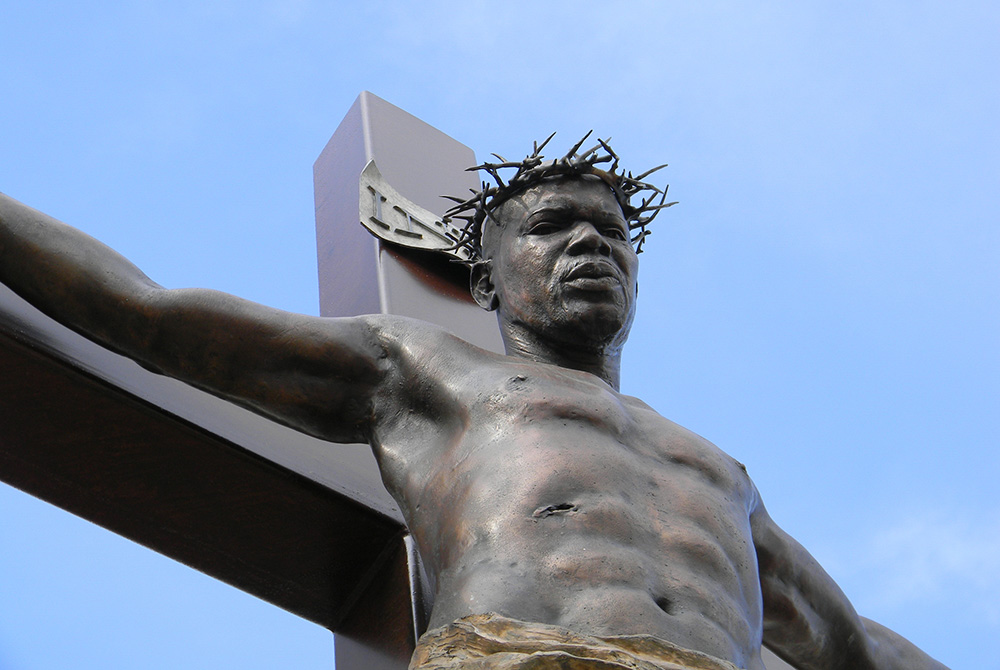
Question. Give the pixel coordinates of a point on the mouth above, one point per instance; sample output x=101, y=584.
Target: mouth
x=593, y=276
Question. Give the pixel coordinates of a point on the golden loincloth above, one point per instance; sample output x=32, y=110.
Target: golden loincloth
x=494, y=642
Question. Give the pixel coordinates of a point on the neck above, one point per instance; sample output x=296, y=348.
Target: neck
x=601, y=360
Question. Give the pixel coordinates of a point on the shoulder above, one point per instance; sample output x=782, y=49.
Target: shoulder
x=396, y=331
x=405, y=340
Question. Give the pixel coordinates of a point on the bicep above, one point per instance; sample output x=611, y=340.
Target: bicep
x=807, y=618
x=317, y=375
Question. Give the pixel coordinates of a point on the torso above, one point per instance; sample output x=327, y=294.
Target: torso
x=542, y=494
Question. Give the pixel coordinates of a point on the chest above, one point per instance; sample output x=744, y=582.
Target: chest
x=523, y=434
x=573, y=430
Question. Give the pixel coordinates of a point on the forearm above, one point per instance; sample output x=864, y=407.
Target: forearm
x=891, y=651
x=193, y=335
x=72, y=277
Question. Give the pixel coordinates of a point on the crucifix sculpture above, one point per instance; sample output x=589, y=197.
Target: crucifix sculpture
x=554, y=521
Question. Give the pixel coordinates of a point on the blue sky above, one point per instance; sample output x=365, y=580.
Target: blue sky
x=823, y=304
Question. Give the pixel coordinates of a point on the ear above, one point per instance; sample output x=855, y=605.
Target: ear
x=481, y=285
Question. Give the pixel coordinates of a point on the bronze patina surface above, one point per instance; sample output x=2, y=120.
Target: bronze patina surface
x=534, y=489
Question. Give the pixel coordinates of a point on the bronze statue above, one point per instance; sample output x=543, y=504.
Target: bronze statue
x=562, y=524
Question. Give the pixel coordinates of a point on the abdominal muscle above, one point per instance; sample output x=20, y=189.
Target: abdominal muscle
x=598, y=540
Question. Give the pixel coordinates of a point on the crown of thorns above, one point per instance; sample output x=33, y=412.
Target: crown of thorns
x=534, y=169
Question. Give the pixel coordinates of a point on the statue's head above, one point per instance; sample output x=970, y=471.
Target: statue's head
x=477, y=211
x=555, y=247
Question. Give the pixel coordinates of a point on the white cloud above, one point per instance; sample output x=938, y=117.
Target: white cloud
x=933, y=557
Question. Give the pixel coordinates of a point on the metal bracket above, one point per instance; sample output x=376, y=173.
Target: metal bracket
x=393, y=218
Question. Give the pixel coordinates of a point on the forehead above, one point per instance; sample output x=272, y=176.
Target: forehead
x=587, y=197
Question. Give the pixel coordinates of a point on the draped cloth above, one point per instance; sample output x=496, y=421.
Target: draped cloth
x=494, y=642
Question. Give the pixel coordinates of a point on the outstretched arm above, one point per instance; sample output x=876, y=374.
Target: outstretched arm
x=316, y=375
x=808, y=620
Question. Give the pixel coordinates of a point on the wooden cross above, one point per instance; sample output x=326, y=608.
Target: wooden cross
x=227, y=491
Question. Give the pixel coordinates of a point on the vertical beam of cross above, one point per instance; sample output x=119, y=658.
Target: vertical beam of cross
x=361, y=274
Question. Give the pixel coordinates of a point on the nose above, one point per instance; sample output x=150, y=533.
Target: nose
x=588, y=239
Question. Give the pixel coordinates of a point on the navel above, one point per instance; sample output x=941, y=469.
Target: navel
x=665, y=604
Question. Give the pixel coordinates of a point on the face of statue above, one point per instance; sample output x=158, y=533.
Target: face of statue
x=561, y=264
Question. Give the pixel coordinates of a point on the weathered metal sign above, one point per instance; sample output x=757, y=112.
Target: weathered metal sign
x=391, y=217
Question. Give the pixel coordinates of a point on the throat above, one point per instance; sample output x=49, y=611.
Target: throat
x=602, y=361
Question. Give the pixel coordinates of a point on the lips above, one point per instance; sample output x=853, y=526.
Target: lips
x=592, y=270
x=593, y=275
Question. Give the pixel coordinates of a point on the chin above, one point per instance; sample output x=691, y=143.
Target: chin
x=601, y=328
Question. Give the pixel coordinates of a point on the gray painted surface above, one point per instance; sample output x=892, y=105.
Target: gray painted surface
x=773, y=662
x=360, y=274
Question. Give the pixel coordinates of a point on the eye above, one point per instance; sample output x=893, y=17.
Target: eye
x=615, y=233
x=545, y=228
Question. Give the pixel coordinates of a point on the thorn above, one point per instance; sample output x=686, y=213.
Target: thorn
x=649, y=172
x=541, y=146
x=640, y=237
x=611, y=152
x=589, y=151
x=608, y=148
x=646, y=202
x=576, y=147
